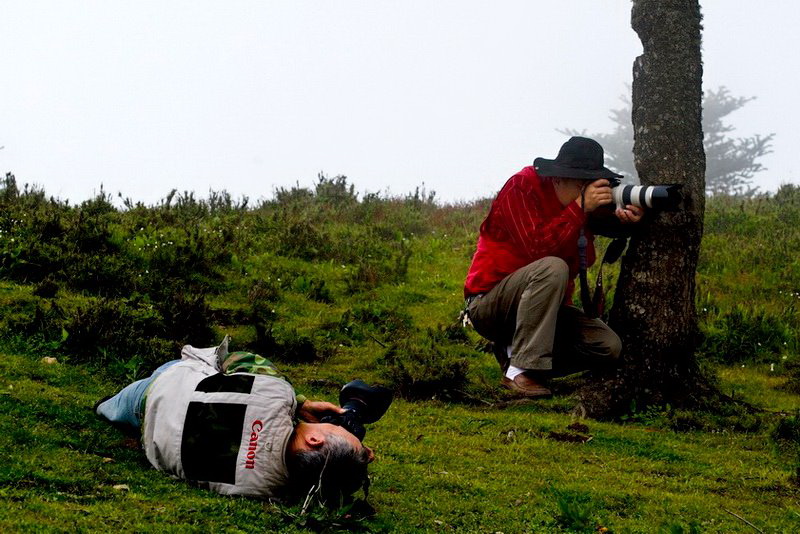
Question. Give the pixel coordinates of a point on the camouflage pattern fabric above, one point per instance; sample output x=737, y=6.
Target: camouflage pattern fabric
x=248, y=362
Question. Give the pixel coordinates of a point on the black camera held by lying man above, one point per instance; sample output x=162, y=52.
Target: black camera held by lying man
x=363, y=404
x=659, y=197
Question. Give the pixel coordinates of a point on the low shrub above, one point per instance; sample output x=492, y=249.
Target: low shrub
x=787, y=432
x=187, y=318
x=313, y=288
x=346, y=331
x=291, y=345
x=47, y=288
x=679, y=528
x=264, y=291
x=786, y=435
x=731, y=418
x=422, y=367
x=388, y=265
x=261, y=299
x=455, y=333
x=744, y=335
x=40, y=319
x=576, y=510
x=121, y=335
x=793, y=371
x=194, y=258
x=297, y=347
x=104, y=331
x=382, y=318
x=300, y=238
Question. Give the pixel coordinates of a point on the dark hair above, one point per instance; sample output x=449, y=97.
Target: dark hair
x=334, y=471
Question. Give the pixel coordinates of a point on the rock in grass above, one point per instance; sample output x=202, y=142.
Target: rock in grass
x=569, y=437
x=579, y=427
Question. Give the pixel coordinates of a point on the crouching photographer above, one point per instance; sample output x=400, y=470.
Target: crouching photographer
x=537, y=237
x=232, y=423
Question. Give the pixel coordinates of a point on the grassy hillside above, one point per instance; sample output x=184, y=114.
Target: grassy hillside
x=335, y=286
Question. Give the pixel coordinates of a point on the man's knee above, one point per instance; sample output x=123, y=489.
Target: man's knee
x=607, y=348
x=549, y=270
x=613, y=346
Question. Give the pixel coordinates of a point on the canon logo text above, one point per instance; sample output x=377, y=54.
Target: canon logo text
x=250, y=463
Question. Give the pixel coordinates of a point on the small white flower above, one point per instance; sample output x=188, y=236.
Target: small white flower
x=771, y=367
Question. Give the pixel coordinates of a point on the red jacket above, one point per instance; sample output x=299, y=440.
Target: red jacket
x=525, y=223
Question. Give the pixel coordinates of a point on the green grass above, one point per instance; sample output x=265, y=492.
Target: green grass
x=757, y=384
x=440, y=467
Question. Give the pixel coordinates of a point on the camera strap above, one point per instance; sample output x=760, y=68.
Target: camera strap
x=586, y=294
x=594, y=304
x=583, y=243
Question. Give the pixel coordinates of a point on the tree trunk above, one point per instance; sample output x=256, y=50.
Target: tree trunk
x=654, y=306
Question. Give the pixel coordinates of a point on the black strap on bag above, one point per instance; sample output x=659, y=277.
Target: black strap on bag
x=594, y=305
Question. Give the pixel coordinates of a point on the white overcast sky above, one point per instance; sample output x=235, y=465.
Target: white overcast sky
x=248, y=96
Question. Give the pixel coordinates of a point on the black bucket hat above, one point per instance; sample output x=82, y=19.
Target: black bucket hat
x=580, y=157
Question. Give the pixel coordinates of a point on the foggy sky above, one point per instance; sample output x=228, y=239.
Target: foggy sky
x=247, y=96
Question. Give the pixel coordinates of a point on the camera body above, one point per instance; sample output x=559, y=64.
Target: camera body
x=660, y=197
x=363, y=404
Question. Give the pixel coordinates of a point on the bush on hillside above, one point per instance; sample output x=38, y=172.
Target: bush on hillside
x=294, y=346
x=186, y=318
x=387, y=266
x=793, y=371
x=103, y=331
x=424, y=367
x=787, y=432
x=313, y=288
x=262, y=296
x=741, y=334
x=382, y=318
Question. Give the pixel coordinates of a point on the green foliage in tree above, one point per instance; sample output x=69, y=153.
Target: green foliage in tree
x=731, y=162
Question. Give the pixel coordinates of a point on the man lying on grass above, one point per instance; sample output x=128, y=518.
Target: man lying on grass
x=230, y=422
x=519, y=286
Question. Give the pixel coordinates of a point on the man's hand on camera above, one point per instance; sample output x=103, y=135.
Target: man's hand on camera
x=629, y=214
x=313, y=411
x=596, y=194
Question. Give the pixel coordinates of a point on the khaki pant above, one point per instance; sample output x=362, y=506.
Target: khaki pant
x=525, y=311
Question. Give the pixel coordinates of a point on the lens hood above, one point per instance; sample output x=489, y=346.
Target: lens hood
x=369, y=402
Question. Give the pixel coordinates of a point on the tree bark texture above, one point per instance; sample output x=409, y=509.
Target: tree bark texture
x=654, y=305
